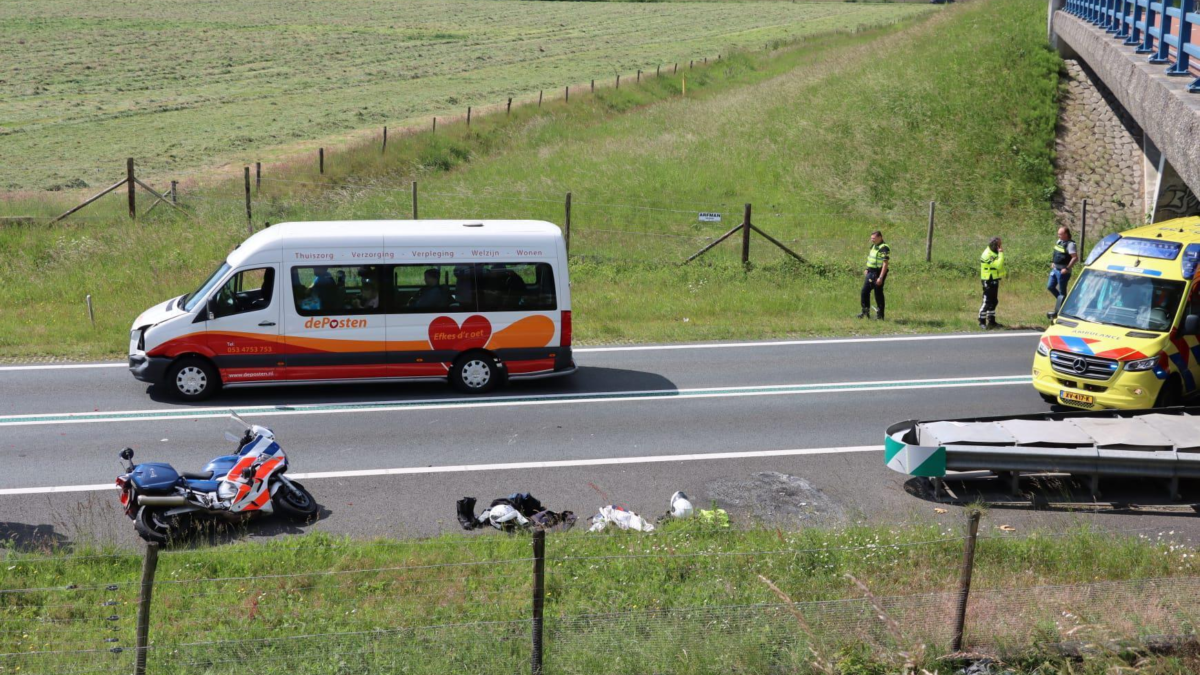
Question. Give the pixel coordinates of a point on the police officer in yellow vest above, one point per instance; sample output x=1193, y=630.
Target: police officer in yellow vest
x=991, y=271
x=877, y=269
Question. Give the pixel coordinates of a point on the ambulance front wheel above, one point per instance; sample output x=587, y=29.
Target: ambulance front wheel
x=476, y=373
x=192, y=379
x=1171, y=393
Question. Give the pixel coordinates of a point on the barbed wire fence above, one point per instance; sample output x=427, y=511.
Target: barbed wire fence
x=488, y=610
x=666, y=230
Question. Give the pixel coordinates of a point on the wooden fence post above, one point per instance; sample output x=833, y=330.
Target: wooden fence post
x=691, y=64
x=639, y=76
x=929, y=234
x=539, y=98
x=593, y=86
x=676, y=70
x=468, y=117
x=174, y=192
x=132, y=188
x=618, y=81
x=657, y=71
x=746, y=237
x=1083, y=229
x=149, y=567
x=91, y=310
x=258, y=171
x=539, y=597
x=508, y=111
x=321, y=159
x=567, y=224
x=414, y=200
x=384, y=148
x=249, y=216
x=567, y=94
x=964, y=581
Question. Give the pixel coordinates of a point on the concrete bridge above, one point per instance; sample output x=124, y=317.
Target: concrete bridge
x=1147, y=55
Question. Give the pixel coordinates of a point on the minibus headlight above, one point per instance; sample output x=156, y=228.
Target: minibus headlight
x=1141, y=364
x=1042, y=349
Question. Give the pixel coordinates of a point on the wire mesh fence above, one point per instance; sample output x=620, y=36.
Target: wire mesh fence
x=666, y=602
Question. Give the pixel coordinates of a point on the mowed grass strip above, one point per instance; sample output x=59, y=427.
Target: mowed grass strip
x=688, y=599
x=192, y=87
x=828, y=139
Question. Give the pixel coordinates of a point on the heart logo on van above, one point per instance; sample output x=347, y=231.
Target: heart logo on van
x=446, y=334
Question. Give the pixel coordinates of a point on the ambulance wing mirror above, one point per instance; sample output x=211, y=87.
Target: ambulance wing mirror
x=1191, y=325
x=210, y=307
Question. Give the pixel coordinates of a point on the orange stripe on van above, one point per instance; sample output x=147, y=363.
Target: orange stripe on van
x=532, y=331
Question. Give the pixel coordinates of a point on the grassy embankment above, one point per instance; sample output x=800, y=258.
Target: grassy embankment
x=189, y=87
x=828, y=139
x=689, y=599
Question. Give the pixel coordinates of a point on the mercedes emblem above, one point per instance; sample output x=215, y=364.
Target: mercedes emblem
x=1079, y=366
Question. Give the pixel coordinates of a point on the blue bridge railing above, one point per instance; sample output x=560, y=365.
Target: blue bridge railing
x=1163, y=30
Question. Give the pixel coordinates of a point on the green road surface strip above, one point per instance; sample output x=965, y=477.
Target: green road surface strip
x=771, y=390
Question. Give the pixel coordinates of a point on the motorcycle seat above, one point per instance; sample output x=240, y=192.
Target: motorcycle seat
x=197, y=475
x=202, y=485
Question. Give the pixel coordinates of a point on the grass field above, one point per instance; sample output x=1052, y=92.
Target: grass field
x=828, y=138
x=187, y=87
x=688, y=599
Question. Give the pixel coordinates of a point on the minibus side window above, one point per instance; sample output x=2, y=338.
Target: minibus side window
x=337, y=290
x=516, y=287
x=246, y=291
x=432, y=289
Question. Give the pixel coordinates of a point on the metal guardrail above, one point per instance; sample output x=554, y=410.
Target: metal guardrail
x=1160, y=443
x=1159, y=29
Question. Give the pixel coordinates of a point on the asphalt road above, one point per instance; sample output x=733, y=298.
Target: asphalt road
x=788, y=433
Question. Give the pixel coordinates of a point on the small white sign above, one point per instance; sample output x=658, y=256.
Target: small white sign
x=710, y=217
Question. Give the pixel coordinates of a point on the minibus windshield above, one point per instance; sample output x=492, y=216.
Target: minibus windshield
x=1127, y=300
x=189, y=302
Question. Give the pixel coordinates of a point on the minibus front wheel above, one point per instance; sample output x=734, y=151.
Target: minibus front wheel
x=192, y=378
x=476, y=372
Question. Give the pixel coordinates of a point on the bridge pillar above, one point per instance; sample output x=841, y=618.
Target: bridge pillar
x=1167, y=114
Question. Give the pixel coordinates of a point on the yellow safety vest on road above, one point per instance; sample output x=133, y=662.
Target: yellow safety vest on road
x=991, y=265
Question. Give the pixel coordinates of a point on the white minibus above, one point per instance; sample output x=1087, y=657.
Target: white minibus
x=477, y=303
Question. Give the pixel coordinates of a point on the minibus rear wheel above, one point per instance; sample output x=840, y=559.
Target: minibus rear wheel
x=476, y=372
x=192, y=379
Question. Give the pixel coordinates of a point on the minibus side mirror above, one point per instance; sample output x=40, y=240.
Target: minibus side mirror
x=1191, y=325
x=210, y=307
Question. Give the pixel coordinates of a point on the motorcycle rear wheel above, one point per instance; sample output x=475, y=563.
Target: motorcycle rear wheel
x=294, y=502
x=152, y=526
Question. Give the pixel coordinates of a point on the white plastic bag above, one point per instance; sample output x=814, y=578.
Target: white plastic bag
x=619, y=517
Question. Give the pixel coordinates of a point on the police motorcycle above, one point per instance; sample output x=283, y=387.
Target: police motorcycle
x=233, y=487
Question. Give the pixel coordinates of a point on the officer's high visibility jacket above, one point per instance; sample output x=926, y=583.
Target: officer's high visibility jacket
x=991, y=265
x=878, y=255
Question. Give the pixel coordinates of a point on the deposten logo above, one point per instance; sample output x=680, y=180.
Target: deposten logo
x=326, y=322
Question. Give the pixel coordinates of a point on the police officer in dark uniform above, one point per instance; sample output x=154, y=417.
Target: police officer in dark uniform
x=876, y=273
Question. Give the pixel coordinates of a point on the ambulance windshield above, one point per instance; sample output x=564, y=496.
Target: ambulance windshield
x=1127, y=300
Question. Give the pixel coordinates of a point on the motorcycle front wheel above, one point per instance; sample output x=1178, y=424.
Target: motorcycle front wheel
x=152, y=525
x=294, y=502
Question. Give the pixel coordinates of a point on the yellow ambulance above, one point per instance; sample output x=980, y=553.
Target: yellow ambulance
x=1128, y=334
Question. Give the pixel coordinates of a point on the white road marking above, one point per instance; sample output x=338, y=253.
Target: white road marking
x=64, y=366
x=467, y=468
x=651, y=348
x=166, y=414
x=815, y=341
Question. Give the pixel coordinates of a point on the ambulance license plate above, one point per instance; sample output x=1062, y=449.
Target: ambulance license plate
x=1076, y=398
